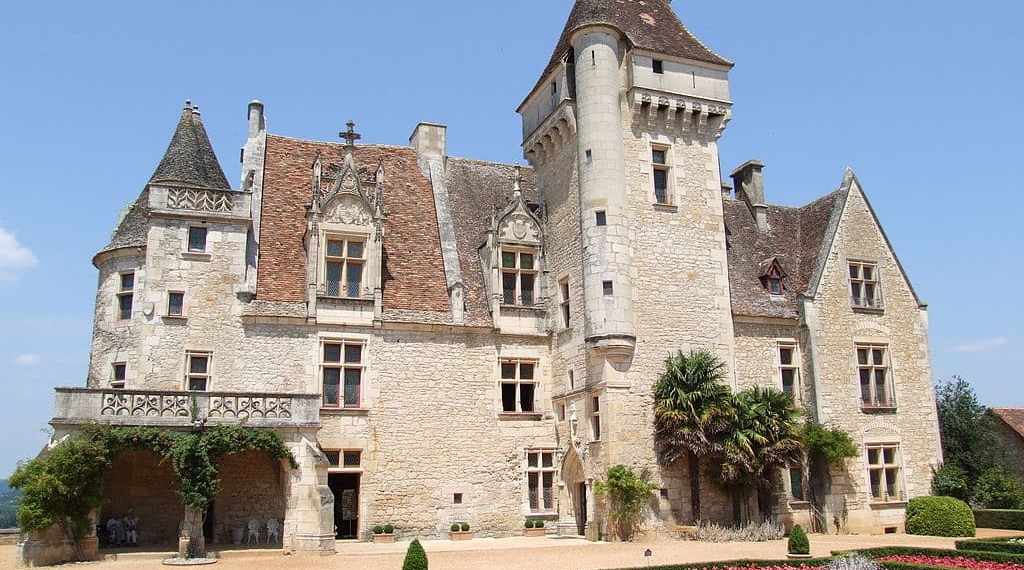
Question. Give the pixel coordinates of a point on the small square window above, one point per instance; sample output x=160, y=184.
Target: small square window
x=602, y=218
x=197, y=376
x=589, y=155
x=658, y=66
x=120, y=370
x=606, y=287
x=663, y=492
x=352, y=459
x=457, y=499
x=197, y=239
x=175, y=304
x=333, y=457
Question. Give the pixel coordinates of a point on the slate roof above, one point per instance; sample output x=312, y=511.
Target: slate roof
x=795, y=238
x=414, y=284
x=133, y=226
x=189, y=157
x=1013, y=417
x=647, y=24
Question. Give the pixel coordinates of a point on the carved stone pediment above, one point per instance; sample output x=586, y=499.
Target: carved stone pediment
x=519, y=227
x=348, y=209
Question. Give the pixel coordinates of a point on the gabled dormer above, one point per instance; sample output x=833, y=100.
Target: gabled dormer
x=513, y=258
x=345, y=226
x=771, y=274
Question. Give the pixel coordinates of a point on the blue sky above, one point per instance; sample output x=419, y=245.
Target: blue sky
x=919, y=98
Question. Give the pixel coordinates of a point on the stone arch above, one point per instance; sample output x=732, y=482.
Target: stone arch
x=576, y=489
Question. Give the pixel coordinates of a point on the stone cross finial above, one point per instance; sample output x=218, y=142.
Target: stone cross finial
x=515, y=182
x=350, y=136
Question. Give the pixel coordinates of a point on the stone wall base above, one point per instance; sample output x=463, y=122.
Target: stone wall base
x=47, y=552
x=319, y=544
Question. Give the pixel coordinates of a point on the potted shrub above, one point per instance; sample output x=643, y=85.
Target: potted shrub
x=534, y=527
x=384, y=533
x=798, y=545
x=460, y=531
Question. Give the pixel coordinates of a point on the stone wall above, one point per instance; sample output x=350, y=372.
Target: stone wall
x=835, y=328
x=252, y=485
x=140, y=482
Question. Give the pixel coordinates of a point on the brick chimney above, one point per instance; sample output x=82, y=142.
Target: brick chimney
x=749, y=184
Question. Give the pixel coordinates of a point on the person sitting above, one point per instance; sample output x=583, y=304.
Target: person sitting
x=115, y=529
x=131, y=528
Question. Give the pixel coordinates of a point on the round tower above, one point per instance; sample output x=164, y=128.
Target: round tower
x=607, y=286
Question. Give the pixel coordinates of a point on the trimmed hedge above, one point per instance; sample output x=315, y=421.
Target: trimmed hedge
x=798, y=543
x=999, y=518
x=880, y=552
x=939, y=516
x=990, y=545
x=415, y=557
x=744, y=563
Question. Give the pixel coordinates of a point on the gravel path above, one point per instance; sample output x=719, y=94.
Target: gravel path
x=515, y=553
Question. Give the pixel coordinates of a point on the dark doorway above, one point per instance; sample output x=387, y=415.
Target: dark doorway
x=581, y=509
x=208, y=524
x=345, y=487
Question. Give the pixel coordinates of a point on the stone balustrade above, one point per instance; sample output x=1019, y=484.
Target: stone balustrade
x=76, y=406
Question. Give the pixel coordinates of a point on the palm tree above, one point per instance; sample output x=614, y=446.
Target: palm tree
x=691, y=407
x=766, y=434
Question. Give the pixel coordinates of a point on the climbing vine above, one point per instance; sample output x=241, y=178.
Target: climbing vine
x=63, y=486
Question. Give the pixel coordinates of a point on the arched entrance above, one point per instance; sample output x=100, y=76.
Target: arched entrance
x=576, y=486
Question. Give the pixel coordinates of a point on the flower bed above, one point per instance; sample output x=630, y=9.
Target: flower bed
x=968, y=562
x=1010, y=545
x=812, y=564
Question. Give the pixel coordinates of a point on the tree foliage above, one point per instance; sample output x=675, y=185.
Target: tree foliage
x=830, y=443
x=691, y=409
x=65, y=485
x=967, y=438
x=950, y=481
x=628, y=495
x=998, y=489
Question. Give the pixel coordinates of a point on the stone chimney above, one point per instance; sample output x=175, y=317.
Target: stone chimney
x=749, y=184
x=255, y=118
x=726, y=191
x=429, y=141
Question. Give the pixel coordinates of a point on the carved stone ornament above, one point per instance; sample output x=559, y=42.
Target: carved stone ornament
x=519, y=227
x=347, y=210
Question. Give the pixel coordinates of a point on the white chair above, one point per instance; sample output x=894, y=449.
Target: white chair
x=254, y=530
x=273, y=528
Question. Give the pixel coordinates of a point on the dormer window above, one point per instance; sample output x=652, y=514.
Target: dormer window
x=519, y=276
x=771, y=275
x=344, y=263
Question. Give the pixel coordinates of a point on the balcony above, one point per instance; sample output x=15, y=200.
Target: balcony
x=163, y=408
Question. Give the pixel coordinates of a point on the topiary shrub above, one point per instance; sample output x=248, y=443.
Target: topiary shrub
x=939, y=516
x=455, y=527
x=389, y=528
x=377, y=529
x=415, y=557
x=538, y=523
x=464, y=527
x=528, y=523
x=798, y=543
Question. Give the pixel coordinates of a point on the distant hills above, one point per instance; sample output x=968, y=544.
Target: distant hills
x=8, y=505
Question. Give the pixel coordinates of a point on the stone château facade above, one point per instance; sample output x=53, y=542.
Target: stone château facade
x=442, y=339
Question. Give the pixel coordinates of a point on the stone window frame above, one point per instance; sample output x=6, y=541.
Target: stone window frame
x=125, y=295
x=795, y=482
x=793, y=367
x=884, y=472
x=195, y=375
x=180, y=314
x=342, y=365
x=660, y=156
x=337, y=460
x=595, y=416
x=564, y=306
x=511, y=373
x=118, y=374
x=520, y=275
x=865, y=284
x=346, y=261
x=540, y=472
x=870, y=359
x=196, y=240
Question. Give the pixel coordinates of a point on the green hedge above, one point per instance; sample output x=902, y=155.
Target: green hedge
x=990, y=545
x=742, y=563
x=939, y=516
x=999, y=518
x=880, y=552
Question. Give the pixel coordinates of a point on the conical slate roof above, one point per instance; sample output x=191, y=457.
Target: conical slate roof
x=190, y=158
x=647, y=24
